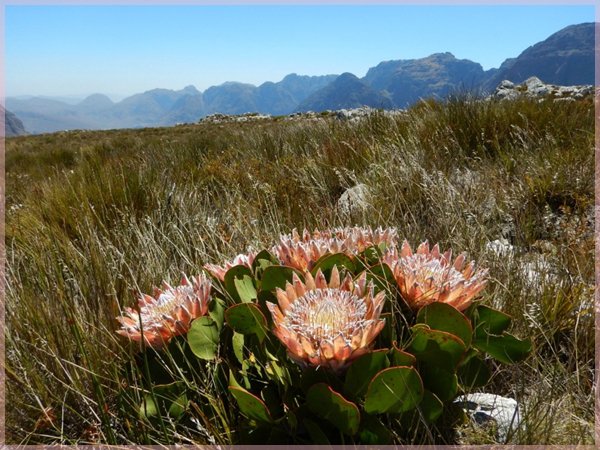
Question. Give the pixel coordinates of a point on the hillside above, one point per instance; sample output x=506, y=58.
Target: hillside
x=565, y=58
x=406, y=81
x=12, y=124
x=346, y=91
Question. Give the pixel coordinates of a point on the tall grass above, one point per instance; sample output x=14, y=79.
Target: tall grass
x=95, y=217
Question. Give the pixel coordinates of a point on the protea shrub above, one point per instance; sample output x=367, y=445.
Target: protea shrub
x=314, y=347
x=427, y=275
x=327, y=324
x=219, y=271
x=168, y=313
x=303, y=251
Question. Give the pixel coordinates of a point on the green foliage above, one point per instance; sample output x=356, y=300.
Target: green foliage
x=203, y=338
x=394, y=390
x=333, y=407
x=247, y=318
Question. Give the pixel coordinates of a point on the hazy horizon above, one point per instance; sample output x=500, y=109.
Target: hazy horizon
x=76, y=51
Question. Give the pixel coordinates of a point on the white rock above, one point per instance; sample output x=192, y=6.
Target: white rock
x=485, y=408
x=354, y=199
x=501, y=248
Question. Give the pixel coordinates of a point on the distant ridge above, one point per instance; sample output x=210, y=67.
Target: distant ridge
x=564, y=58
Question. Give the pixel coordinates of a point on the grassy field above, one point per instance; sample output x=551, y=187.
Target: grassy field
x=92, y=218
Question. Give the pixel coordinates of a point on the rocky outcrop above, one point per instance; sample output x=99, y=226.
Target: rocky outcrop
x=13, y=125
x=533, y=87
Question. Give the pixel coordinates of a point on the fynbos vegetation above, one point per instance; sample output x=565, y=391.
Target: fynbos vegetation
x=304, y=338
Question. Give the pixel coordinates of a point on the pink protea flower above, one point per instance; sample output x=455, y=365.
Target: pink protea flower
x=428, y=276
x=327, y=324
x=169, y=313
x=303, y=251
x=240, y=260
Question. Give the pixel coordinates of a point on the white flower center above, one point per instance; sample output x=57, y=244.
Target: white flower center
x=325, y=314
x=165, y=305
x=426, y=269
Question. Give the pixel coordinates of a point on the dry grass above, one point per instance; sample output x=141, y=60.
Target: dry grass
x=93, y=217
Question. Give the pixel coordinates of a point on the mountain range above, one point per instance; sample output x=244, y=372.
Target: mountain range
x=564, y=58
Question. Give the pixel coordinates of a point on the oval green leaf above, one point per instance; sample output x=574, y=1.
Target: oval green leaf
x=327, y=262
x=247, y=318
x=475, y=373
x=394, y=390
x=436, y=347
x=329, y=405
x=261, y=261
x=277, y=276
x=506, y=348
x=443, y=317
x=250, y=405
x=400, y=357
x=441, y=382
x=362, y=370
x=239, y=283
x=488, y=320
x=431, y=407
x=203, y=338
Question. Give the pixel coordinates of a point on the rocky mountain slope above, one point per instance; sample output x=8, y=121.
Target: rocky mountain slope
x=346, y=91
x=564, y=58
x=12, y=124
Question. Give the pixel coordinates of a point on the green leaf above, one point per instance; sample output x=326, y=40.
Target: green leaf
x=431, y=407
x=362, y=370
x=382, y=277
x=370, y=256
x=475, y=373
x=263, y=260
x=239, y=283
x=237, y=342
x=179, y=406
x=247, y=318
x=442, y=382
x=487, y=320
x=394, y=390
x=277, y=276
x=436, y=347
x=443, y=317
x=250, y=405
x=506, y=348
x=170, y=399
x=203, y=338
x=327, y=262
x=216, y=311
x=373, y=432
x=401, y=358
x=333, y=407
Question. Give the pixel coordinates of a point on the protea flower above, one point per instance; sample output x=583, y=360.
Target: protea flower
x=302, y=252
x=427, y=276
x=327, y=324
x=240, y=260
x=169, y=313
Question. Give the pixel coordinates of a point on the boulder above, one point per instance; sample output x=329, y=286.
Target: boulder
x=490, y=409
x=354, y=199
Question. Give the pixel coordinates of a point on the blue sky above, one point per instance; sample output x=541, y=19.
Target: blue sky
x=122, y=50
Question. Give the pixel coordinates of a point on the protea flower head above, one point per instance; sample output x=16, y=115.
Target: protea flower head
x=240, y=260
x=303, y=251
x=428, y=276
x=168, y=313
x=327, y=324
